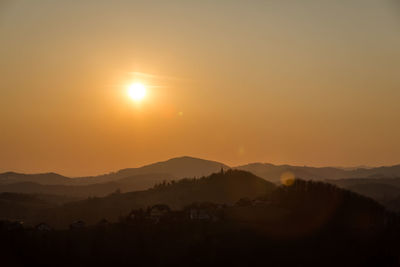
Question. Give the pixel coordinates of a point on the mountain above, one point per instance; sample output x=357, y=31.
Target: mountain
x=132, y=183
x=349, y=182
x=314, y=205
x=177, y=168
x=83, y=191
x=273, y=172
x=377, y=191
x=352, y=168
x=223, y=187
x=142, y=177
x=393, y=204
x=383, y=190
x=43, y=178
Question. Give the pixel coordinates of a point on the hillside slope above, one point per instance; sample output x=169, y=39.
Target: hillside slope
x=128, y=184
x=224, y=188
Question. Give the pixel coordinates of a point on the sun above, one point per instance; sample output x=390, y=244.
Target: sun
x=137, y=91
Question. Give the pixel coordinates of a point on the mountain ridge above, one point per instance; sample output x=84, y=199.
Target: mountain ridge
x=186, y=167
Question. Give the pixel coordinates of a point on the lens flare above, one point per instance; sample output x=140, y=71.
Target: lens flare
x=287, y=178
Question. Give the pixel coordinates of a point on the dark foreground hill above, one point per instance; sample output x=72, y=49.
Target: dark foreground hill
x=301, y=224
x=223, y=187
x=383, y=190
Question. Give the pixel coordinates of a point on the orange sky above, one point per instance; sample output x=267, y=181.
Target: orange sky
x=305, y=82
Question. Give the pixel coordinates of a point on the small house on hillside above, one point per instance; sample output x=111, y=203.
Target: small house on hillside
x=43, y=227
x=199, y=214
x=205, y=212
x=136, y=215
x=175, y=216
x=77, y=225
x=158, y=211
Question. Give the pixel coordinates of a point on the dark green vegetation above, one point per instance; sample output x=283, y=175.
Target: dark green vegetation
x=305, y=224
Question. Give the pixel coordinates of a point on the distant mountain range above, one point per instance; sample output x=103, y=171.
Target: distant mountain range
x=142, y=178
x=175, y=168
x=185, y=167
x=42, y=178
x=273, y=172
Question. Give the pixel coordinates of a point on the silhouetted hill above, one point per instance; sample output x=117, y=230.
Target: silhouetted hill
x=323, y=203
x=143, y=181
x=304, y=223
x=378, y=191
x=273, y=172
x=43, y=178
x=306, y=207
x=175, y=168
x=132, y=183
x=126, y=180
x=383, y=190
x=83, y=191
x=25, y=207
x=134, y=179
x=224, y=188
x=137, y=178
x=393, y=204
x=349, y=182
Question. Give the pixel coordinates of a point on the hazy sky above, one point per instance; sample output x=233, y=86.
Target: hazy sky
x=297, y=82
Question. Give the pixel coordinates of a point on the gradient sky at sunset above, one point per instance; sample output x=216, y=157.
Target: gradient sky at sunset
x=298, y=82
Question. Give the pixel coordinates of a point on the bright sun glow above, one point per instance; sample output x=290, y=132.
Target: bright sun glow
x=137, y=91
